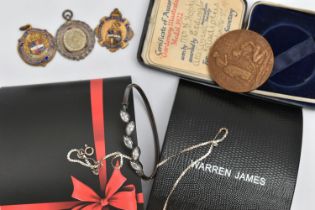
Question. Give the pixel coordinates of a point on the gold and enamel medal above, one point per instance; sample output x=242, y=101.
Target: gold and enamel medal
x=114, y=32
x=36, y=47
x=75, y=39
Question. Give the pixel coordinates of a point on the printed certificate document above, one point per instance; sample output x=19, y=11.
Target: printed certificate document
x=181, y=33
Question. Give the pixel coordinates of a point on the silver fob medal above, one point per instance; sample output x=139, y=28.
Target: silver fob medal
x=75, y=39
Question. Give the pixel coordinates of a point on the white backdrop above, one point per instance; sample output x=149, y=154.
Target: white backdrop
x=160, y=87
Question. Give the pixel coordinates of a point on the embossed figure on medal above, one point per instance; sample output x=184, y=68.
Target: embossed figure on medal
x=241, y=61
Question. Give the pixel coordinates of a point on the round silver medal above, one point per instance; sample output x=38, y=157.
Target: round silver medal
x=75, y=39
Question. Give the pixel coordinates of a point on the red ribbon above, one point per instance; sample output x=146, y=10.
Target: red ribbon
x=125, y=199
x=96, y=92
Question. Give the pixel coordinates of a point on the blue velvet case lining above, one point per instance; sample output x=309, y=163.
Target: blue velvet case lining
x=290, y=34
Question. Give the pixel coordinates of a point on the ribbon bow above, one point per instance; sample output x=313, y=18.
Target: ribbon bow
x=125, y=199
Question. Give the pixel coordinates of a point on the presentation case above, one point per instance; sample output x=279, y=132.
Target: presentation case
x=290, y=32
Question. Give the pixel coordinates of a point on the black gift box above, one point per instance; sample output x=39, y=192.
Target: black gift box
x=40, y=124
x=255, y=167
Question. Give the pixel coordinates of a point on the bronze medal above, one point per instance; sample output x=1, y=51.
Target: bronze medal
x=36, y=46
x=75, y=39
x=114, y=32
x=241, y=61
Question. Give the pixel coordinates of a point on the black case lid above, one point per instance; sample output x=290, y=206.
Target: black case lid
x=264, y=143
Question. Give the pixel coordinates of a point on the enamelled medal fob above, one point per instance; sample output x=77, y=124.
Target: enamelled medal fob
x=36, y=47
x=75, y=39
x=114, y=32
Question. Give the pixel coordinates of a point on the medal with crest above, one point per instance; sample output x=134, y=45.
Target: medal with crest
x=75, y=39
x=36, y=47
x=114, y=32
